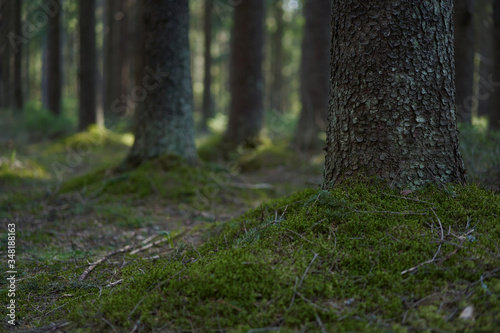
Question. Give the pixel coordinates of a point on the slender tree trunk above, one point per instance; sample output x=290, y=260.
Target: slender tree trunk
x=484, y=47
x=464, y=57
x=87, y=71
x=495, y=111
x=54, y=62
x=139, y=42
x=207, y=111
x=164, y=121
x=246, y=83
x=5, y=55
x=276, y=86
x=392, y=97
x=18, y=90
x=314, y=74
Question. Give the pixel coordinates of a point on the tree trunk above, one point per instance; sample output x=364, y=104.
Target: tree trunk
x=495, y=111
x=113, y=62
x=392, y=97
x=87, y=71
x=207, y=111
x=54, y=62
x=484, y=47
x=5, y=55
x=246, y=83
x=18, y=90
x=464, y=58
x=276, y=86
x=314, y=74
x=164, y=121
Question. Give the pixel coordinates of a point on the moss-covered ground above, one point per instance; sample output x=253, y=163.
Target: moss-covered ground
x=223, y=246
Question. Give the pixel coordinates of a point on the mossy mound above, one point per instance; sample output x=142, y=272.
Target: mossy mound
x=357, y=258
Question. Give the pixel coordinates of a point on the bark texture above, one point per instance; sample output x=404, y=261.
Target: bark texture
x=495, y=110
x=392, y=97
x=207, y=110
x=87, y=70
x=314, y=74
x=464, y=58
x=164, y=121
x=246, y=81
x=54, y=62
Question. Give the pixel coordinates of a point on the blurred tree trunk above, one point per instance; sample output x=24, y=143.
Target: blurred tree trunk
x=387, y=119
x=495, y=111
x=164, y=121
x=207, y=110
x=4, y=55
x=483, y=46
x=314, y=74
x=464, y=58
x=137, y=53
x=18, y=90
x=54, y=62
x=87, y=70
x=114, y=57
x=276, y=86
x=246, y=82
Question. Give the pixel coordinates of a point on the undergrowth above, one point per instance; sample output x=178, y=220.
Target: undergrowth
x=359, y=257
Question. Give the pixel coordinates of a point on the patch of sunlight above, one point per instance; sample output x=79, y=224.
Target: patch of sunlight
x=218, y=123
x=480, y=123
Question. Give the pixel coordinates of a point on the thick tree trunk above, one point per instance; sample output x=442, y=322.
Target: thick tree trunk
x=392, y=97
x=207, y=110
x=54, y=63
x=164, y=121
x=246, y=83
x=495, y=111
x=87, y=70
x=137, y=54
x=464, y=58
x=314, y=74
x=18, y=90
x=276, y=86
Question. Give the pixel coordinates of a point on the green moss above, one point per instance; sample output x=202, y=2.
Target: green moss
x=355, y=258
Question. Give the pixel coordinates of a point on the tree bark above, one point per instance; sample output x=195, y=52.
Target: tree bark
x=207, y=110
x=246, y=82
x=314, y=74
x=494, y=123
x=464, y=58
x=392, y=97
x=54, y=62
x=87, y=71
x=18, y=90
x=164, y=121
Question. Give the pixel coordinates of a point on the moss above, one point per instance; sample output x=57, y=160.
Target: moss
x=333, y=259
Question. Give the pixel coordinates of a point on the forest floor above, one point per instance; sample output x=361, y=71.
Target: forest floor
x=71, y=210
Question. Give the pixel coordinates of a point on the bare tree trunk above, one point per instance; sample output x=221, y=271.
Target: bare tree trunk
x=207, y=111
x=276, y=86
x=246, y=83
x=18, y=90
x=164, y=121
x=314, y=74
x=495, y=111
x=392, y=96
x=54, y=63
x=87, y=71
x=6, y=53
x=464, y=57
x=484, y=47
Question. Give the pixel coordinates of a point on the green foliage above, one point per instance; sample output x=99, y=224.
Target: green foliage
x=359, y=258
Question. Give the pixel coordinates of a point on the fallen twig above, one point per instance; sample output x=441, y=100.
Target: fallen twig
x=93, y=265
